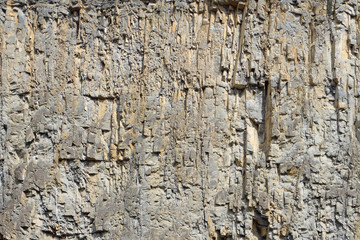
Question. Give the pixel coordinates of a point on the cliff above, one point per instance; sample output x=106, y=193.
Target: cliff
x=206, y=119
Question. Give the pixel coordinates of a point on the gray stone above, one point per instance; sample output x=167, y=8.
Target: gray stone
x=197, y=119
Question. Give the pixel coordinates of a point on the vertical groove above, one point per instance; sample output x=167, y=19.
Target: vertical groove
x=241, y=39
x=245, y=151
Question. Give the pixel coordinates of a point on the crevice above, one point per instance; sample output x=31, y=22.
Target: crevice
x=268, y=125
x=244, y=172
x=145, y=46
x=312, y=50
x=240, y=47
x=260, y=225
x=329, y=10
x=186, y=103
x=331, y=13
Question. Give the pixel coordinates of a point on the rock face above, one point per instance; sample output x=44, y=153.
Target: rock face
x=179, y=119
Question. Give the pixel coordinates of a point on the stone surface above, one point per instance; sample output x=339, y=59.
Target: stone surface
x=190, y=119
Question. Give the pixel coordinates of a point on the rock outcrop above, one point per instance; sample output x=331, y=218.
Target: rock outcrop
x=220, y=119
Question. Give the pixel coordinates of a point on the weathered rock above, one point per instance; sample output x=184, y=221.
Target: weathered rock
x=189, y=119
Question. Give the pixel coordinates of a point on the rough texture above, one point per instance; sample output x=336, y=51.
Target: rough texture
x=188, y=119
